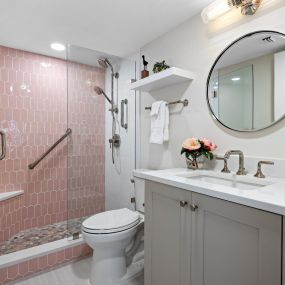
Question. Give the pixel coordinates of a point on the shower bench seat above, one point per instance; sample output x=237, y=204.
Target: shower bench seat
x=8, y=195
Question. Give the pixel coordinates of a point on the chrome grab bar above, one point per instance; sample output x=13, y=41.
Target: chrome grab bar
x=3, y=144
x=34, y=164
x=124, y=123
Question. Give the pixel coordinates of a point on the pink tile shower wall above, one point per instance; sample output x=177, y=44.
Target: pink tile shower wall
x=10, y=217
x=33, y=113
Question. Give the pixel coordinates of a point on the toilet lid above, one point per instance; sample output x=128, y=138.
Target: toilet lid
x=111, y=221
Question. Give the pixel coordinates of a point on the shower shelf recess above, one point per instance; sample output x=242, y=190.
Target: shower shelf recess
x=163, y=79
x=9, y=195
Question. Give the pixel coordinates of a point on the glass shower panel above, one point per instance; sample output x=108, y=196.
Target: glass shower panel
x=86, y=150
x=33, y=109
x=93, y=126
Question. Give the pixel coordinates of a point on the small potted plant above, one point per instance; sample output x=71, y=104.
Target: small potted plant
x=160, y=66
x=197, y=148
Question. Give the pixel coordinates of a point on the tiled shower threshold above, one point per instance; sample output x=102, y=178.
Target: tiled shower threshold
x=39, y=236
x=17, y=257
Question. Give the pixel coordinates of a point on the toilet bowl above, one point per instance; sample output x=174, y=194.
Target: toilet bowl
x=109, y=234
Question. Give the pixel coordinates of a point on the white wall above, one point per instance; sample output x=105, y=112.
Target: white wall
x=118, y=186
x=195, y=46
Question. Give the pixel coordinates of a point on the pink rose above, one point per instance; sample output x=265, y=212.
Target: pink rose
x=191, y=144
x=209, y=145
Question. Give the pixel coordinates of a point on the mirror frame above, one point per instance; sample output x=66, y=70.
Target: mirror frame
x=212, y=69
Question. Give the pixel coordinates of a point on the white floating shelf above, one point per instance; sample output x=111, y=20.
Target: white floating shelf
x=163, y=79
x=9, y=195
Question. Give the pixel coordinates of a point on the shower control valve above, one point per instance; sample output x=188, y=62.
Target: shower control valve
x=115, y=141
x=114, y=109
x=110, y=142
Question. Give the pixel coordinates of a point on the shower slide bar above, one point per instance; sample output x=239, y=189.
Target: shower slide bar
x=34, y=164
x=184, y=102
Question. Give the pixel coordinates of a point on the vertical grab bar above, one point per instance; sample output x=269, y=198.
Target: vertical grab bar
x=124, y=123
x=3, y=144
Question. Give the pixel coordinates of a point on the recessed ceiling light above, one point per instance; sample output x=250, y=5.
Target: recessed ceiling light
x=57, y=46
x=236, y=79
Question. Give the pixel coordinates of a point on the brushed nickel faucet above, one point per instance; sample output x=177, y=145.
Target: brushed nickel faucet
x=241, y=170
x=225, y=169
x=259, y=173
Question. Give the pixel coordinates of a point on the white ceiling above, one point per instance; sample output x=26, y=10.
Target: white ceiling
x=118, y=27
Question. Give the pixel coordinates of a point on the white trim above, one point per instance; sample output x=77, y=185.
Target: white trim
x=37, y=251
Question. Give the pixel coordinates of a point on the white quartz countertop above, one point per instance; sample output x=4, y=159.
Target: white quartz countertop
x=270, y=197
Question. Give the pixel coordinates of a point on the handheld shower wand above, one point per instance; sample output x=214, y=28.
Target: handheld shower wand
x=115, y=141
x=100, y=91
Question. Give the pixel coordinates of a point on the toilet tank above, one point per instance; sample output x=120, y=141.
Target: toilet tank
x=139, y=193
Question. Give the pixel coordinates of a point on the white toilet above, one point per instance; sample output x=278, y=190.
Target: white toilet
x=109, y=234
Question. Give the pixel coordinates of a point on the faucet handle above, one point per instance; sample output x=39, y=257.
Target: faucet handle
x=259, y=173
x=219, y=158
x=225, y=169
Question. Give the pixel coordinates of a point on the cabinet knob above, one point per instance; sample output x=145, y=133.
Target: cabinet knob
x=183, y=204
x=193, y=207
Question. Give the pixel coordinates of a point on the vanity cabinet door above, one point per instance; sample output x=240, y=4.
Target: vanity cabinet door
x=166, y=225
x=234, y=244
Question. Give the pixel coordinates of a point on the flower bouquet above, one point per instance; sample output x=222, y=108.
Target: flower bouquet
x=195, y=148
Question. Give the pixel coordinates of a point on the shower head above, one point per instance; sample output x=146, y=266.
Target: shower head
x=100, y=91
x=104, y=62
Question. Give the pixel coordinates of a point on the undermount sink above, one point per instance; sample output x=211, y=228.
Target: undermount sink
x=228, y=180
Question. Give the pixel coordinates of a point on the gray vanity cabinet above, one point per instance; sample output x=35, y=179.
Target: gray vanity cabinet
x=166, y=226
x=234, y=244
x=219, y=243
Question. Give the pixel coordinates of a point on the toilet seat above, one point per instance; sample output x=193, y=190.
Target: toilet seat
x=111, y=222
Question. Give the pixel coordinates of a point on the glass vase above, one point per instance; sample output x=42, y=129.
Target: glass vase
x=195, y=163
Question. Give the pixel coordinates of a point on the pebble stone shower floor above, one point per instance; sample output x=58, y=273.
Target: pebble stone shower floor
x=41, y=235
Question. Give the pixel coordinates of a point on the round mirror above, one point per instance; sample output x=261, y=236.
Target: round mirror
x=246, y=85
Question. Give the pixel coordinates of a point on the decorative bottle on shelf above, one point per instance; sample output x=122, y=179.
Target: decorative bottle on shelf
x=145, y=72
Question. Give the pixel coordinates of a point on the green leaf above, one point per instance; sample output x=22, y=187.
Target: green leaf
x=211, y=155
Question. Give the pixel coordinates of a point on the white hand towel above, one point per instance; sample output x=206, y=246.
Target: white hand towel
x=166, y=124
x=159, y=122
x=155, y=108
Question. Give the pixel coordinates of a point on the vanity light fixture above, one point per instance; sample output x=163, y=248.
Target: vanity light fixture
x=220, y=7
x=236, y=79
x=58, y=46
